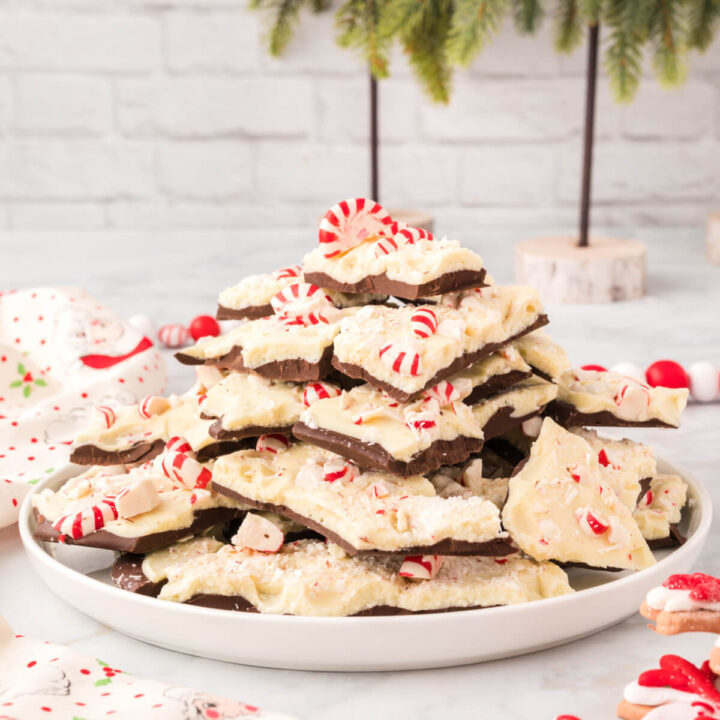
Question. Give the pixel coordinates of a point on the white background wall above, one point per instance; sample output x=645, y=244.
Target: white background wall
x=165, y=114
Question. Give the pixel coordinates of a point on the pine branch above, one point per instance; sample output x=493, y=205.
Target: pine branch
x=623, y=56
x=283, y=15
x=402, y=16
x=591, y=10
x=527, y=15
x=425, y=44
x=319, y=6
x=357, y=22
x=666, y=31
x=568, y=26
x=474, y=22
x=702, y=22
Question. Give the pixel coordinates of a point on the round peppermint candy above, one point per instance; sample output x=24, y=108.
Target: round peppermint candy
x=349, y=223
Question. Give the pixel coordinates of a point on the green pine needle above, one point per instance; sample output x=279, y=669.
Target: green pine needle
x=402, y=17
x=568, y=26
x=474, y=22
x=666, y=33
x=591, y=10
x=703, y=19
x=527, y=15
x=357, y=22
x=282, y=16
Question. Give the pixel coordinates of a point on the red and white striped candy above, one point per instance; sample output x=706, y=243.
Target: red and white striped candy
x=424, y=322
x=446, y=392
x=258, y=533
x=178, y=444
x=294, y=271
x=152, y=405
x=273, y=443
x=385, y=246
x=424, y=421
x=186, y=470
x=410, y=235
x=632, y=400
x=421, y=567
x=401, y=360
x=339, y=469
x=319, y=391
x=591, y=522
x=107, y=415
x=174, y=335
x=349, y=223
x=87, y=521
x=138, y=498
x=379, y=490
x=306, y=295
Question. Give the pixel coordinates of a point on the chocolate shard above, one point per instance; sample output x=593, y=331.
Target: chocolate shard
x=223, y=447
x=127, y=574
x=93, y=455
x=503, y=420
x=496, y=384
x=249, y=431
x=383, y=285
x=497, y=547
x=569, y=416
x=374, y=455
x=142, y=544
x=251, y=312
x=291, y=370
x=674, y=539
x=460, y=363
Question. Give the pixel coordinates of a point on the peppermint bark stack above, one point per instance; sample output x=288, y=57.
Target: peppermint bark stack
x=370, y=407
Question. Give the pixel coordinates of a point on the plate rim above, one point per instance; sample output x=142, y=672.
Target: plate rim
x=35, y=551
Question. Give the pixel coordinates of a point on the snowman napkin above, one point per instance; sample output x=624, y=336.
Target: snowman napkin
x=42, y=681
x=61, y=354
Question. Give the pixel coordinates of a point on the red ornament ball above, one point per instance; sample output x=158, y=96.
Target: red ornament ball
x=597, y=368
x=667, y=373
x=204, y=325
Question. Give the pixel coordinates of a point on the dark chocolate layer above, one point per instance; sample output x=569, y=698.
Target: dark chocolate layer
x=127, y=574
x=93, y=455
x=502, y=421
x=383, y=285
x=496, y=384
x=251, y=312
x=674, y=539
x=223, y=447
x=460, y=363
x=373, y=455
x=143, y=544
x=291, y=370
x=569, y=416
x=249, y=431
x=494, y=548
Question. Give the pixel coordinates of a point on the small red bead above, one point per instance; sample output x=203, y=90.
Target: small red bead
x=667, y=373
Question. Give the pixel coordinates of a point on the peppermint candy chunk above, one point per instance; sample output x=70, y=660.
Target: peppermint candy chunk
x=350, y=223
x=632, y=400
x=401, y=360
x=423, y=422
x=448, y=392
x=186, y=470
x=305, y=294
x=178, y=444
x=258, y=533
x=140, y=497
x=424, y=322
x=591, y=522
x=273, y=443
x=385, y=246
x=319, y=391
x=293, y=271
x=87, y=521
x=106, y=415
x=174, y=335
x=421, y=567
x=410, y=235
x=152, y=405
x=339, y=469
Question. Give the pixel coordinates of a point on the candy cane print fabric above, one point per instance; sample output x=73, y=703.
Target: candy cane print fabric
x=62, y=354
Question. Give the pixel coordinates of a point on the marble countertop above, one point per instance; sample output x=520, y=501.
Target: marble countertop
x=173, y=277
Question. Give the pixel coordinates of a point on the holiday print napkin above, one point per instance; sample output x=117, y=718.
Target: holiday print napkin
x=42, y=681
x=61, y=354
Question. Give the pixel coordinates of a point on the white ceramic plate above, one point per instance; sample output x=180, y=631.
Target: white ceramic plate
x=364, y=643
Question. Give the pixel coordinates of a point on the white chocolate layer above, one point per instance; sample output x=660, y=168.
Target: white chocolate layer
x=130, y=428
x=542, y=352
x=495, y=315
x=526, y=397
x=557, y=499
x=176, y=509
x=270, y=340
x=243, y=400
x=369, y=510
x=155, y=564
x=499, y=363
x=369, y=416
x=661, y=506
x=318, y=579
x=591, y=391
x=414, y=264
x=629, y=463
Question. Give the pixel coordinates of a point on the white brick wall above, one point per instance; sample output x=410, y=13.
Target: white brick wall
x=169, y=113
